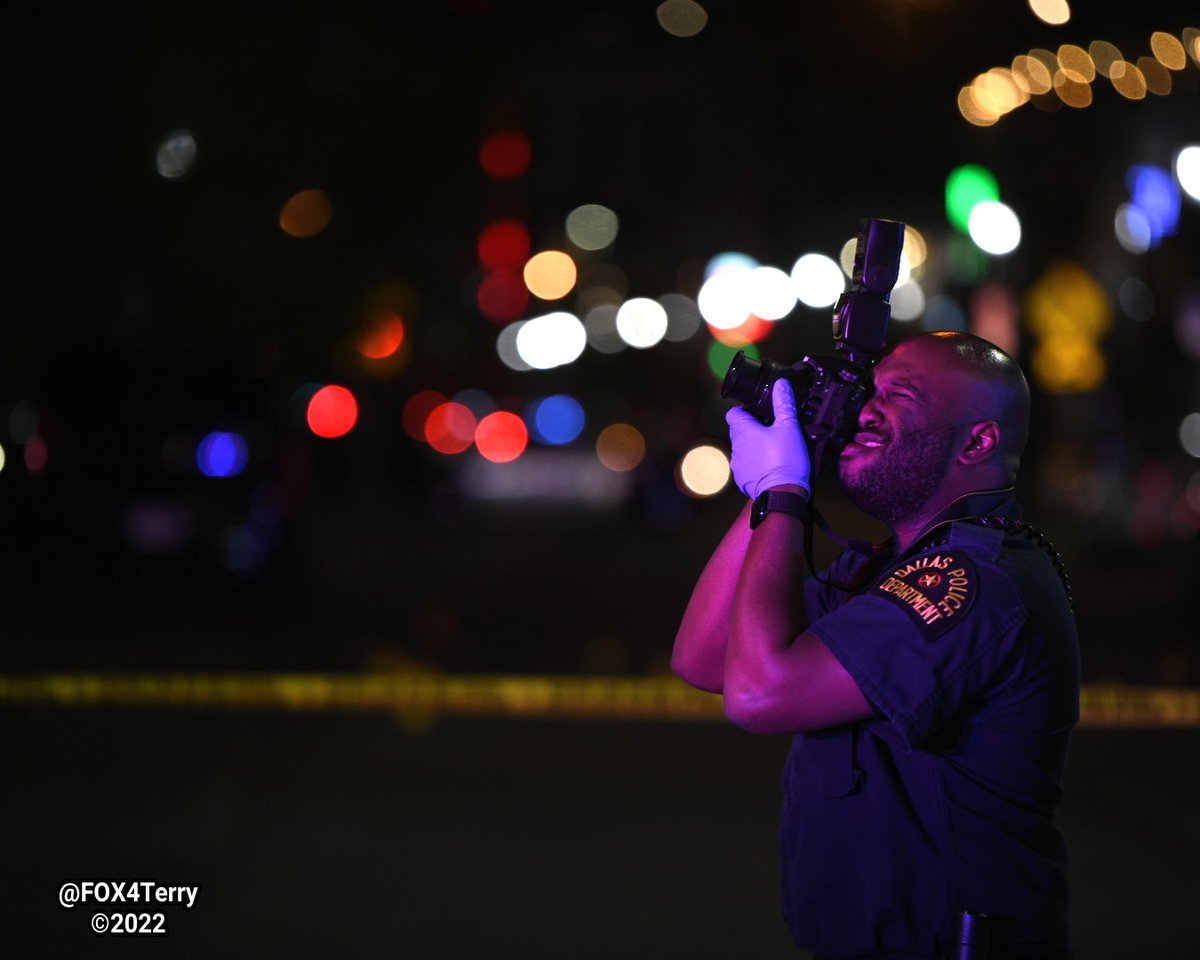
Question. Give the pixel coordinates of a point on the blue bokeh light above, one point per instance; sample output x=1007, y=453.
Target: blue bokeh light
x=222, y=454
x=556, y=420
x=1156, y=194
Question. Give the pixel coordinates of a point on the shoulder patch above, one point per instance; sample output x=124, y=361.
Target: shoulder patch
x=936, y=589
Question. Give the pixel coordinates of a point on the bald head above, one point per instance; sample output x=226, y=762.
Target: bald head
x=989, y=384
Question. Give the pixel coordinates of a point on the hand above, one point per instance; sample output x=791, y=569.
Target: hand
x=765, y=457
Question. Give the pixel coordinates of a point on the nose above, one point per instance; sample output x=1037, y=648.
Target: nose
x=870, y=415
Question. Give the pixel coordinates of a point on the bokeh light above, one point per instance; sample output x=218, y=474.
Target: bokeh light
x=305, y=214
x=1158, y=77
x=818, y=281
x=550, y=275
x=551, y=340
x=681, y=18
x=1136, y=299
x=1104, y=55
x=750, y=330
x=556, y=420
x=222, y=454
x=908, y=301
x=683, y=317
x=332, y=411
x=1187, y=170
x=36, y=455
x=994, y=228
x=502, y=295
x=505, y=155
x=1189, y=435
x=600, y=325
x=381, y=336
x=1127, y=80
x=772, y=294
x=966, y=186
x=450, y=428
x=176, y=155
x=506, y=347
x=479, y=402
x=504, y=244
x=501, y=437
x=416, y=411
x=1168, y=50
x=1053, y=12
x=641, y=322
x=1153, y=191
x=3, y=458
x=995, y=316
x=1132, y=228
x=591, y=226
x=724, y=298
x=703, y=471
x=720, y=355
x=620, y=447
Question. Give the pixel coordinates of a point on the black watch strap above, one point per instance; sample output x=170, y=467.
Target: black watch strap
x=782, y=501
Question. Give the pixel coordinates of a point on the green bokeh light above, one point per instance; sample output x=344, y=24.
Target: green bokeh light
x=966, y=186
x=720, y=355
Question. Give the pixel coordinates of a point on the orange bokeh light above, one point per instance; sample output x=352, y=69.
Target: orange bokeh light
x=381, y=336
x=306, y=214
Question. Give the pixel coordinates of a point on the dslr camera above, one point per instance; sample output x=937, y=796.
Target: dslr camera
x=830, y=391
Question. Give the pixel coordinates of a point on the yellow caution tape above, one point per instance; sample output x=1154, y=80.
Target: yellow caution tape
x=612, y=698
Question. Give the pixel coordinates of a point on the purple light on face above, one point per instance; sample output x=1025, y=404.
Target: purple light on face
x=222, y=454
x=1154, y=191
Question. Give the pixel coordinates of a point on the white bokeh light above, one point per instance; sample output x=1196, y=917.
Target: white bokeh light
x=1189, y=435
x=641, y=322
x=551, y=340
x=772, y=294
x=176, y=154
x=506, y=347
x=1187, y=171
x=908, y=301
x=724, y=298
x=818, y=280
x=994, y=227
x=704, y=471
x=1132, y=228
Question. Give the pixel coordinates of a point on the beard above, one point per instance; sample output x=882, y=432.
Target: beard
x=897, y=481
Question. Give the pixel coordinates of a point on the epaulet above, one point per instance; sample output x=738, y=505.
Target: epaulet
x=1021, y=529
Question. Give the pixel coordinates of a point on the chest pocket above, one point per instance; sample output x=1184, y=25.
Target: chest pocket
x=822, y=765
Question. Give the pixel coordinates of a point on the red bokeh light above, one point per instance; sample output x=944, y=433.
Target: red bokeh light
x=501, y=437
x=504, y=243
x=505, y=155
x=751, y=330
x=381, y=336
x=417, y=410
x=450, y=428
x=332, y=412
x=502, y=295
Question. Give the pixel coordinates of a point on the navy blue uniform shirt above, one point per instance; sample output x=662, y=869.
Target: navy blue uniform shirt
x=944, y=802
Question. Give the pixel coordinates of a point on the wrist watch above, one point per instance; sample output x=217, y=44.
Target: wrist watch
x=782, y=501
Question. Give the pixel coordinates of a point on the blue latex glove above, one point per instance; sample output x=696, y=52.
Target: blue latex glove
x=765, y=457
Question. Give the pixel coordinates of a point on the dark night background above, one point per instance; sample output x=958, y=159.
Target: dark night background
x=139, y=313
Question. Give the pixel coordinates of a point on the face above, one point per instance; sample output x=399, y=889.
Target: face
x=908, y=435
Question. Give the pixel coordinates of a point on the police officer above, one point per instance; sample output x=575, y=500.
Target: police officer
x=930, y=684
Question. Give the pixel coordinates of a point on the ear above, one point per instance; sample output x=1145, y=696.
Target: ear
x=982, y=443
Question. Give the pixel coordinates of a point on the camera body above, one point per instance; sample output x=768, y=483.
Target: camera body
x=830, y=391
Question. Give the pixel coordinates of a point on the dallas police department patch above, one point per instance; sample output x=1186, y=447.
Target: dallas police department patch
x=936, y=589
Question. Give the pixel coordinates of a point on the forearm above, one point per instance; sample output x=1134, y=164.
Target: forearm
x=699, y=653
x=767, y=610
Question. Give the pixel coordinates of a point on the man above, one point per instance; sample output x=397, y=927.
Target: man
x=931, y=684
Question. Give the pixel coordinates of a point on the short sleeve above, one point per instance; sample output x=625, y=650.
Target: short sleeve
x=927, y=637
